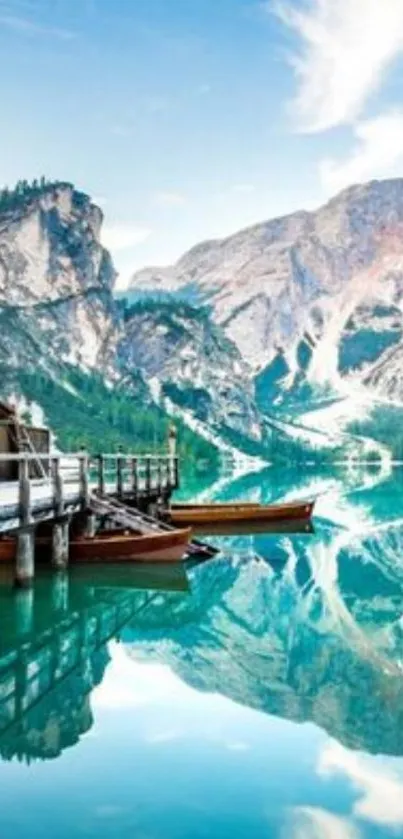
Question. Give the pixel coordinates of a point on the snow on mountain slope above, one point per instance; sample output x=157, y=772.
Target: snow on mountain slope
x=321, y=290
x=195, y=365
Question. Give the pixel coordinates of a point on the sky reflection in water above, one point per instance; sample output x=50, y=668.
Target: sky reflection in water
x=260, y=696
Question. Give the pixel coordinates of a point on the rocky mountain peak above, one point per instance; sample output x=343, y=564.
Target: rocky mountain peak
x=313, y=301
x=290, y=330
x=49, y=244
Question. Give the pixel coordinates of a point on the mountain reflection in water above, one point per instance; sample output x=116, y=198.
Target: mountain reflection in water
x=305, y=628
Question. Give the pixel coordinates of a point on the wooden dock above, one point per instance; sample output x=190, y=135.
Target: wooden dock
x=77, y=487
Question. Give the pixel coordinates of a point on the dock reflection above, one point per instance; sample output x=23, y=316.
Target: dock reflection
x=306, y=627
x=53, y=650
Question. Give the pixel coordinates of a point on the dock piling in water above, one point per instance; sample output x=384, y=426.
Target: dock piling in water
x=25, y=548
x=66, y=493
x=24, y=558
x=60, y=529
x=60, y=545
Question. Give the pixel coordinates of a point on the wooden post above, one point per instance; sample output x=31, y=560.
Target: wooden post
x=148, y=476
x=60, y=545
x=58, y=488
x=90, y=518
x=60, y=530
x=101, y=474
x=172, y=441
x=168, y=473
x=83, y=479
x=24, y=493
x=119, y=476
x=159, y=476
x=25, y=565
x=135, y=479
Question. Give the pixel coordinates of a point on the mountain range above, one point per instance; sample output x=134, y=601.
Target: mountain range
x=283, y=341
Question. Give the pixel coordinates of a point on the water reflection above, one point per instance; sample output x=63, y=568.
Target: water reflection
x=294, y=642
x=53, y=651
x=209, y=670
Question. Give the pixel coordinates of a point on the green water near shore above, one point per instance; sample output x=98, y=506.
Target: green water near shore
x=257, y=695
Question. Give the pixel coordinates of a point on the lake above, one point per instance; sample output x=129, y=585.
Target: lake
x=258, y=695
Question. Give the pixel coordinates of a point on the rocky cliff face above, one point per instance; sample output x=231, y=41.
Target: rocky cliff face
x=56, y=281
x=294, y=325
x=59, y=322
x=307, y=277
x=189, y=361
x=313, y=301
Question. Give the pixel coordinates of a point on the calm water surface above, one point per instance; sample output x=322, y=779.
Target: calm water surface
x=259, y=695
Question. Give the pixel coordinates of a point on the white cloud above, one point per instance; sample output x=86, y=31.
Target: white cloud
x=316, y=823
x=169, y=199
x=381, y=800
x=119, y=237
x=346, y=48
x=378, y=153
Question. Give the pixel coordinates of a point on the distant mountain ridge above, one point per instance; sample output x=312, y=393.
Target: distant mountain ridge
x=314, y=303
x=283, y=341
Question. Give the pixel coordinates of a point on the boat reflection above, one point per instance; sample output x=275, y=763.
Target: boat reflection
x=311, y=633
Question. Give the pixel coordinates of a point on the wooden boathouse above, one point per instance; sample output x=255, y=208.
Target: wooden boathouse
x=39, y=486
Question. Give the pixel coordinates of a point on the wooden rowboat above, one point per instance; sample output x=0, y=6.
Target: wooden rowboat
x=115, y=546
x=216, y=505
x=224, y=513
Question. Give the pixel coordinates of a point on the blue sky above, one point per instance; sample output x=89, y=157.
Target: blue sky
x=189, y=119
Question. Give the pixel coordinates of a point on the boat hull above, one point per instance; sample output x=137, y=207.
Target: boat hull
x=237, y=513
x=167, y=546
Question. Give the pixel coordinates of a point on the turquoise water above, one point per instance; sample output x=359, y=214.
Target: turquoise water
x=259, y=695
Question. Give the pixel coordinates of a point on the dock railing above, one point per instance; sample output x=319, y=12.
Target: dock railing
x=69, y=486
x=71, y=478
